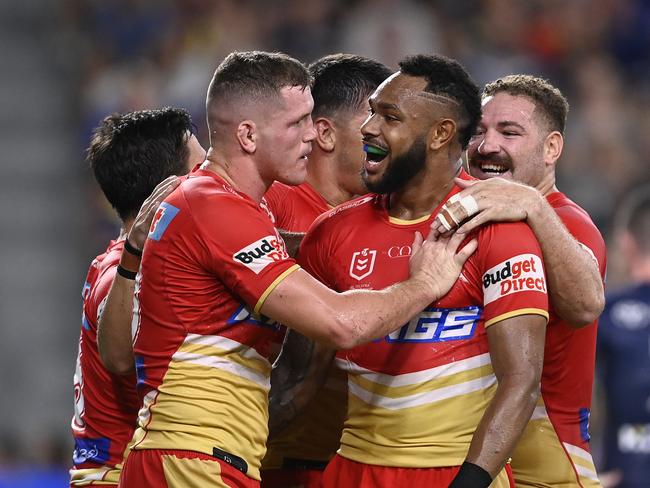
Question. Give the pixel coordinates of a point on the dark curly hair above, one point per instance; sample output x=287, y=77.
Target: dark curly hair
x=131, y=153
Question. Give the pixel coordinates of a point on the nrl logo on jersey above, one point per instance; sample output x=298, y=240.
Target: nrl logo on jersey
x=362, y=264
x=261, y=253
x=520, y=273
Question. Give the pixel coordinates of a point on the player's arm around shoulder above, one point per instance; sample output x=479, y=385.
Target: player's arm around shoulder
x=575, y=284
x=570, y=246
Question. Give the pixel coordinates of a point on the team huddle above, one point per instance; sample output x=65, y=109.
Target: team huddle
x=328, y=298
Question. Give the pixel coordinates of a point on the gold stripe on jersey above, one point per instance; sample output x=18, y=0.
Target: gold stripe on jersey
x=423, y=387
x=222, y=353
x=184, y=472
x=515, y=313
x=214, y=394
x=97, y=476
x=402, y=405
x=395, y=220
x=272, y=286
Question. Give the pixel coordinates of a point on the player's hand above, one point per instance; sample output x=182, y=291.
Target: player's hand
x=493, y=200
x=140, y=230
x=436, y=262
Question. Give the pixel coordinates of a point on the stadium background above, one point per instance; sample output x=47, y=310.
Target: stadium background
x=68, y=63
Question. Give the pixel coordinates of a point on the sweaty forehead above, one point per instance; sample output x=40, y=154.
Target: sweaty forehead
x=503, y=107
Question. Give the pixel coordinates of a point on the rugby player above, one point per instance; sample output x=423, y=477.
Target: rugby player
x=520, y=139
x=129, y=154
x=442, y=400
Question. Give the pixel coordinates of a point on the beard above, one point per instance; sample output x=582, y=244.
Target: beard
x=400, y=170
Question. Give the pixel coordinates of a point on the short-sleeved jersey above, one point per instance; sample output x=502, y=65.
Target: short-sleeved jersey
x=295, y=207
x=106, y=405
x=211, y=258
x=417, y=395
x=624, y=363
x=554, y=449
x=314, y=435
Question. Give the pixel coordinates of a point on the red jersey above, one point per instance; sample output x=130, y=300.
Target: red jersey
x=106, y=405
x=314, y=435
x=211, y=258
x=554, y=449
x=417, y=395
x=295, y=207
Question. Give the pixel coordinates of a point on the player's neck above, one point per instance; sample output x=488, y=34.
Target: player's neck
x=423, y=193
x=547, y=185
x=323, y=178
x=240, y=173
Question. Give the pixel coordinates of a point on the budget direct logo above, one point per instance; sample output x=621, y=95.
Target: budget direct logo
x=261, y=253
x=520, y=273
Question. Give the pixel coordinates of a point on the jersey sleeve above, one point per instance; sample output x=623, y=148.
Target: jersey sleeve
x=279, y=204
x=512, y=273
x=98, y=284
x=242, y=247
x=586, y=233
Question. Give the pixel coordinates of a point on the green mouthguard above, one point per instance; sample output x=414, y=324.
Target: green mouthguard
x=374, y=150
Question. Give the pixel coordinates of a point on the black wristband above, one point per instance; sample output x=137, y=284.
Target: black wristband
x=128, y=247
x=471, y=476
x=125, y=273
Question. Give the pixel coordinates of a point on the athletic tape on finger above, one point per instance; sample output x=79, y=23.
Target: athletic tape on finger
x=469, y=204
x=445, y=217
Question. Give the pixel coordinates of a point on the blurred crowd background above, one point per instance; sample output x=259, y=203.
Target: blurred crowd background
x=69, y=63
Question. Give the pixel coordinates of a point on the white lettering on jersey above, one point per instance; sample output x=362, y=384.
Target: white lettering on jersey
x=261, y=253
x=519, y=273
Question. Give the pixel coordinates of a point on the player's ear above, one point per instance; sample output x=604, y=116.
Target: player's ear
x=247, y=136
x=325, y=134
x=553, y=147
x=441, y=133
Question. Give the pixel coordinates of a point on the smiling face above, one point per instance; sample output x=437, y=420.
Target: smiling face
x=509, y=141
x=286, y=135
x=397, y=126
